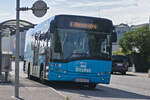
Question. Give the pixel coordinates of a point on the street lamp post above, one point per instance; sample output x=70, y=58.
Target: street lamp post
x=149, y=23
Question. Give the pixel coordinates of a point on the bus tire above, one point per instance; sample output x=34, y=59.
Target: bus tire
x=24, y=66
x=41, y=73
x=92, y=85
x=28, y=73
x=124, y=73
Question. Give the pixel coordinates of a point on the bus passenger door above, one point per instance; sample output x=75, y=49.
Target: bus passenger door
x=35, y=69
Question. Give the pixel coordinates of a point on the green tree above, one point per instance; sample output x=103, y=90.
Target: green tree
x=137, y=42
x=118, y=52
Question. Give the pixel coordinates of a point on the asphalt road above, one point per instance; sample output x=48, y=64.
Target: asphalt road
x=127, y=87
x=122, y=87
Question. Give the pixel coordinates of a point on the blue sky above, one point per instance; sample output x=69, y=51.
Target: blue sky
x=119, y=11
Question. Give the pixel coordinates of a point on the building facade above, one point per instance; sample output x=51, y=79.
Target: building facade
x=121, y=30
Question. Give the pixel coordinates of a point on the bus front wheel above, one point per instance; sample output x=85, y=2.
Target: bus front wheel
x=92, y=85
x=29, y=71
x=41, y=76
x=124, y=73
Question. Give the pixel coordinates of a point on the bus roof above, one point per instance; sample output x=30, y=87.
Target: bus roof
x=63, y=21
x=87, y=17
x=84, y=22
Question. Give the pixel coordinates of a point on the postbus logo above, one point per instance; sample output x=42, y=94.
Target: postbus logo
x=83, y=64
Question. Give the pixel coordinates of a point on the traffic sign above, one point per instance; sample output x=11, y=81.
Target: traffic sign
x=39, y=8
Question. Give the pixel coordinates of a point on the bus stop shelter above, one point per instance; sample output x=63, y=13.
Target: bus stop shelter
x=8, y=28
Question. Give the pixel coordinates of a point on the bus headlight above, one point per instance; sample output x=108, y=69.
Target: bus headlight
x=65, y=72
x=52, y=64
x=61, y=70
x=98, y=74
x=52, y=69
x=56, y=69
x=59, y=65
x=103, y=79
x=59, y=76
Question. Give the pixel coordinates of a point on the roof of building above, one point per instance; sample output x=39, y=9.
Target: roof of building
x=138, y=26
x=9, y=27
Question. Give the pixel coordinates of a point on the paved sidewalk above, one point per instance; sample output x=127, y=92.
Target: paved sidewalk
x=138, y=74
x=29, y=90
x=28, y=93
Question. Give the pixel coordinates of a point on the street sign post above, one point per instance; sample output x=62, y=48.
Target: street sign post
x=17, y=50
x=149, y=23
x=39, y=9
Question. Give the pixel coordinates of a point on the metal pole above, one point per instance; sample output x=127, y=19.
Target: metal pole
x=149, y=23
x=17, y=51
x=0, y=53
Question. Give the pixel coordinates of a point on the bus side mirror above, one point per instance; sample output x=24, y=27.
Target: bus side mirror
x=114, y=37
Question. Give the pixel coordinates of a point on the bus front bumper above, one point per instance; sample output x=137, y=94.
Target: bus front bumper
x=105, y=79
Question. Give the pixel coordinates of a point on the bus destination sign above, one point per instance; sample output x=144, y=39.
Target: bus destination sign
x=82, y=25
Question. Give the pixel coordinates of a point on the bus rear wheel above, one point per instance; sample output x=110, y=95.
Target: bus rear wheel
x=92, y=85
x=41, y=76
x=29, y=76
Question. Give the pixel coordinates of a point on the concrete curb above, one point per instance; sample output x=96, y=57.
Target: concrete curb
x=138, y=74
x=149, y=73
x=59, y=93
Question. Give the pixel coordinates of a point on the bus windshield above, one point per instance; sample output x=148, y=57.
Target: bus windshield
x=75, y=44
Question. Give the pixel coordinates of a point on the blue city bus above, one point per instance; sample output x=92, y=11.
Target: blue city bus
x=69, y=48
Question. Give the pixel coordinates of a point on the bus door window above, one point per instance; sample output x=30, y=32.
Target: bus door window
x=47, y=48
x=35, y=57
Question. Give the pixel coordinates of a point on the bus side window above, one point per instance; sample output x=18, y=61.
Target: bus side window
x=32, y=43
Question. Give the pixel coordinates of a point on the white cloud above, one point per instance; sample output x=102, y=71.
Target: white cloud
x=104, y=3
x=6, y=16
x=131, y=15
x=120, y=11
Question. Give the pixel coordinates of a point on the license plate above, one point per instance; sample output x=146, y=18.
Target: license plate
x=119, y=64
x=82, y=80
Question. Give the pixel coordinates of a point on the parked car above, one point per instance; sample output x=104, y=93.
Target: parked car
x=120, y=63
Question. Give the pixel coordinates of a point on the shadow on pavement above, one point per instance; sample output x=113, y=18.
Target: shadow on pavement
x=25, y=82
x=85, y=92
x=100, y=91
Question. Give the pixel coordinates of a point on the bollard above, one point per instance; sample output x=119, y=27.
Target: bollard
x=149, y=73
